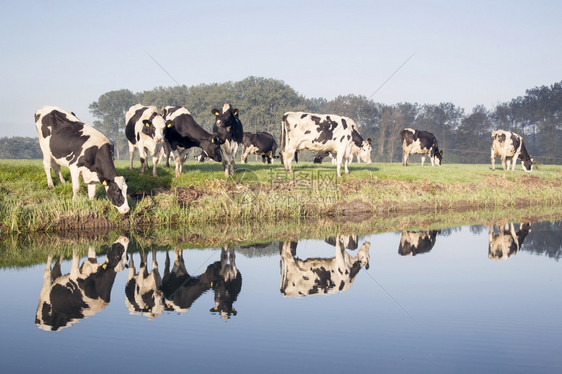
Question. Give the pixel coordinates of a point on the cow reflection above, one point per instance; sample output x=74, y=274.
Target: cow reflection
x=142, y=292
x=181, y=289
x=416, y=242
x=320, y=275
x=65, y=299
x=506, y=242
x=348, y=241
x=228, y=285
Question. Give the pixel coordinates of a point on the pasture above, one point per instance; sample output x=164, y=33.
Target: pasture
x=261, y=192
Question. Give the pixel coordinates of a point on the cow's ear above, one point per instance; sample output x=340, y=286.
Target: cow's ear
x=441, y=153
x=235, y=112
x=215, y=112
x=146, y=122
x=369, y=141
x=169, y=123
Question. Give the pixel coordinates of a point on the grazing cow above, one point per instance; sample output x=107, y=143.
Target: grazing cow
x=181, y=289
x=182, y=133
x=507, y=242
x=86, y=290
x=355, y=151
x=320, y=275
x=144, y=130
x=64, y=140
x=228, y=285
x=259, y=143
x=143, y=294
x=416, y=242
x=422, y=142
x=509, y=146
x=320, y=132
x=230, y=132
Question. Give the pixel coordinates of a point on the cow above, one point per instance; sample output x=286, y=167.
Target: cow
x=355, y=151
x=143, y=295
x=144, y=129
x=228, y=285
x=66, y=299
x=230, y=132
x=509, y=146
x=320, y=275
x=422, y=142
x=259, y=143
x=507, y=242
x=66, y=141
x=320, y=132
x=181, y=289
x=416, y=242
x=182, y=133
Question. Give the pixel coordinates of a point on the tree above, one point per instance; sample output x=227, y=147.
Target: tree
x=110, y=109
x=20, y=148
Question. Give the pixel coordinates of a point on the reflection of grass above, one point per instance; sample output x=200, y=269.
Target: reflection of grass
x=202, y=195
x=25, y=250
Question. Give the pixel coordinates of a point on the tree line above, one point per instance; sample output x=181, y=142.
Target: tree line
x=464, y=137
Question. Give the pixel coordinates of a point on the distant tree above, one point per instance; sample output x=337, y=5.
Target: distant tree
x=472, y=138
x=20, y=148
x=110, y=111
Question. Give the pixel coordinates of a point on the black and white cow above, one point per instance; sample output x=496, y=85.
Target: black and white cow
x=355, y=151
x=180, y=288
x=182, y=133
x=259, y=143
x=320, y=132
x=416, y=242
x=145, y=131
x=422, y=142
x=509, y=146
x=86, y=290
x=64, y=140
x=142, y=293
x=506, y=242
x=320, y=275
x=230, y=132
x=228, y=285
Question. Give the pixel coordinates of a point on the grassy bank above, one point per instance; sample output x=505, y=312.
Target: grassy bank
x=202, y=194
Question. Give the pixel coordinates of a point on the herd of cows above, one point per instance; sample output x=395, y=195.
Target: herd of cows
x=66, y=141
x=67, y=298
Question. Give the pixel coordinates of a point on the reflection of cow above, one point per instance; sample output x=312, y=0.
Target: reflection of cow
x=320, y=275
x=416, y=242
x=228, y=285
x=181, y=289
x=143, y=295
x=507, y=242
x=65, y=299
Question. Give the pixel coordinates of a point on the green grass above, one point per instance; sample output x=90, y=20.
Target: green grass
x=203, y=195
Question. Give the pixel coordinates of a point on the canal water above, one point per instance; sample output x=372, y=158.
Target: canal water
x=461, y=299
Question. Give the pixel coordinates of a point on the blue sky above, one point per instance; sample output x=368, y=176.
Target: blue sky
x=68, y=53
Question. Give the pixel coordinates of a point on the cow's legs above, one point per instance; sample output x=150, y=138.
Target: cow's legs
x=287, y=159
x=131, y=155
x=91, y=190
x=143, y=159
x=75, y=178
x=423, y=158
x=56, y=168
x=405, y=155
x=47, y=167
x=493, y=159
x=155, y=160
x=233, y=149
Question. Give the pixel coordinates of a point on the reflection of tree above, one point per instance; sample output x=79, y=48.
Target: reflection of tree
x=545, y=239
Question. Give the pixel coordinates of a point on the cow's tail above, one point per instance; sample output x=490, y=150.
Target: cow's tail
x=283, y=135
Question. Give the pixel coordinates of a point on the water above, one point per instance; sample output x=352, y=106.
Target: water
x=451, y=307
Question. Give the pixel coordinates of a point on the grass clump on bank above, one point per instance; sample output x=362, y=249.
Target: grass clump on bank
x=265, y=192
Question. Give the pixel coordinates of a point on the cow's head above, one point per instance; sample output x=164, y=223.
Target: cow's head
x=211, y=148
x=154, y=126
x=117, y=254
x=437, y=156
x=527, y=164
x=116, y=190
x=365, y=151
x=227, y=123
x=363, y=255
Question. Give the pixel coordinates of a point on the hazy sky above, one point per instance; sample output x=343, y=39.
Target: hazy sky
x=68, y=53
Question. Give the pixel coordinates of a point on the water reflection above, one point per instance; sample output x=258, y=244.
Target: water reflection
x=504, y=241
x=417, y=242
x=320, y=275
x=143, y=293
x=228, y=285
x=86, y=290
